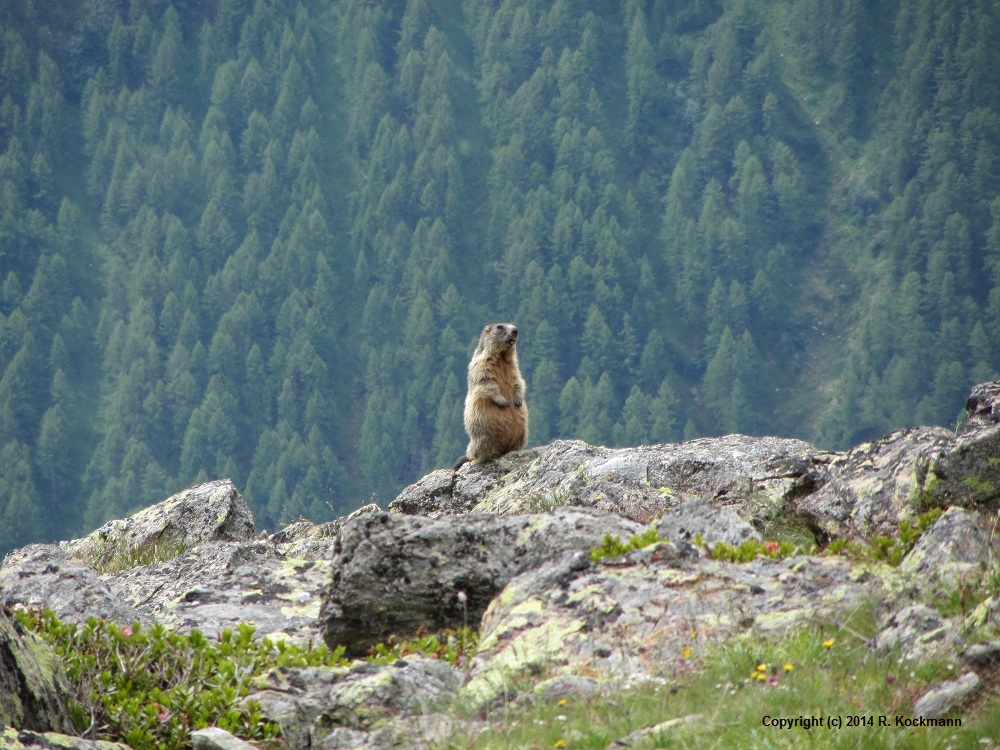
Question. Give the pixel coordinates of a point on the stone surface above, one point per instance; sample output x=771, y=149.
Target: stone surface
x=46, y=577
x=214, y=511
x=966, y=472
x=957, y=544
x=700, y=518
x=630, y=618
x=396, y=574
x=982, y=408
x=569, y=687
x=655, y=733
x=944, y=696
x=337, y=707
x=14, y=739
x=219, y=585
x=506, y=545
x=868, y=490
x=33, y=687
x=917, y=630
x=751, y=473
x=982, y=655
x=213, y=738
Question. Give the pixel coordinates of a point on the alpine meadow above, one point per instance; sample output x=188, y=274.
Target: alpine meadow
x=259, y=239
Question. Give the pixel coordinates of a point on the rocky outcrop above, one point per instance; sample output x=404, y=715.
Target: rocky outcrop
x=866, y=491
x=23, y=739
x=754, y=474
x=395, y=574
x=206, y=513
x=219, y=585
x=959, y=543
x=33, y=688
x=966, y=471
x=365, y=705
x=629, y=618
x=44, y=576
x=274, y=583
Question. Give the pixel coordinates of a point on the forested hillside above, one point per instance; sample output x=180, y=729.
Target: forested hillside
x=258, y=240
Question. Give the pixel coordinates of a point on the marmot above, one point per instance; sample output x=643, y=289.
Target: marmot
x=496, y=416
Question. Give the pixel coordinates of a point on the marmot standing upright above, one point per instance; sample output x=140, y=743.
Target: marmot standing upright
x=496, y=416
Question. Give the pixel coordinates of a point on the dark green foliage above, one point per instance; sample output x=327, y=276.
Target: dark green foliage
x=612, y=546
x=151, y=688
x=260, y=239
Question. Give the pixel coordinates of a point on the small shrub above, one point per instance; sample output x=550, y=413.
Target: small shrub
x=889, y=549
x=612, y=546
x=150, y=688
x=455, y=647
x=751, y=549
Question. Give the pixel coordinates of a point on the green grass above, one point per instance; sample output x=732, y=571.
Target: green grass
x=119, y=555
x=725, y=693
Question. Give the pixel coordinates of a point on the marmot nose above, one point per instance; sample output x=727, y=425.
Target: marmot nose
x=514, y=332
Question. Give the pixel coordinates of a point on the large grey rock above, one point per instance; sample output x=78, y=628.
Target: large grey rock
x=944, y=696
x=33, y=687
x=23, y=739
x=957, y=544
x=984, y=655
x=917, y=631
x=397, y=574
x=752, y=474
x=874, y=486
x=335, y=707
x=44, y=576
x=219, y=585
x=214, y=511
x=213, y=738
x=629, y=618
x=699, y=518
x=982, y=408
x=966, y=472
x=868, y=490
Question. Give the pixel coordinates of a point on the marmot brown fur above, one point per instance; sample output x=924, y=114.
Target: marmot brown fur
x=496, y=416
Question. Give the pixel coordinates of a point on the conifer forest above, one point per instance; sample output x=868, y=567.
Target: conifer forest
x=258, y=239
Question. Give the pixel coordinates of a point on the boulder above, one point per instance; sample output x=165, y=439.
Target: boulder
x=213, y=738
x=957, y=544
x=917, y=631
x=871, y=488
x=44, y=576
x=218, y=585
x=629, y=618
x=23, y=739
x=944, y=696
x=357, y=706
x=33, y=687
x=751, y=473
x=214, y=511
x=966, y=471
x=699, y=518
x=398, y=574
x=982, y=408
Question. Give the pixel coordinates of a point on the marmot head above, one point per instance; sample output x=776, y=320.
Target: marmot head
x=498, y=337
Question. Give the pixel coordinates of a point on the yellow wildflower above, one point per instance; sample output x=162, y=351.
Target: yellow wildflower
x=828, y=643
x=686, y=652
x=788, y=667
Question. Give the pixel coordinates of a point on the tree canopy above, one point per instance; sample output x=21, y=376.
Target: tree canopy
x=258, y=239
